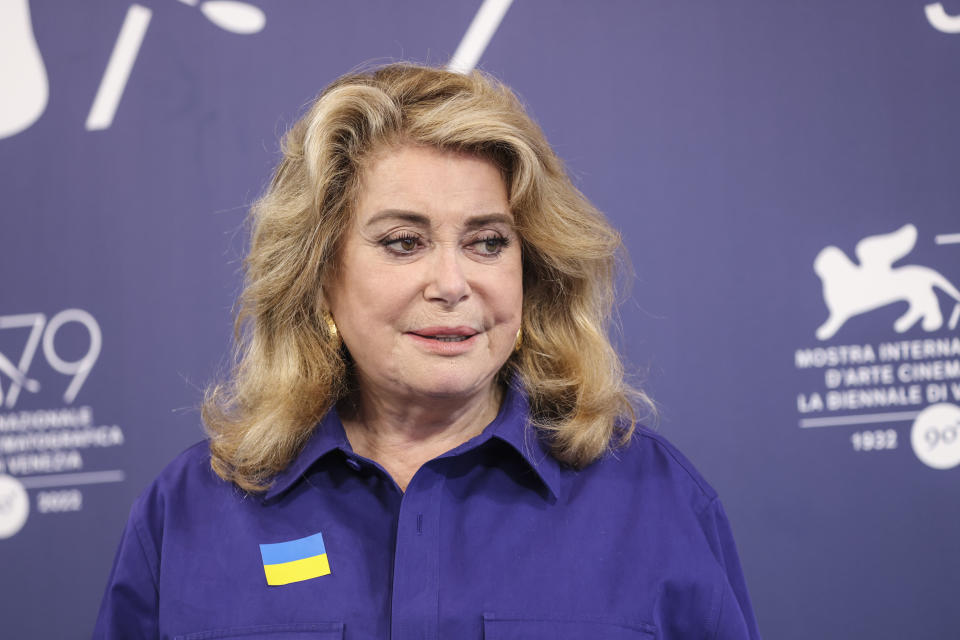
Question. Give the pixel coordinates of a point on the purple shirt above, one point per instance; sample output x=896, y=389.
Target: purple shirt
x=494, y=539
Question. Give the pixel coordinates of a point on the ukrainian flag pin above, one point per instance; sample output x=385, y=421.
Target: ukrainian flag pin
x=295, y=561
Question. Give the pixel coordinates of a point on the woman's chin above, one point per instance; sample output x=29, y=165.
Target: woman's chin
x=453, y=388
x=445, y=384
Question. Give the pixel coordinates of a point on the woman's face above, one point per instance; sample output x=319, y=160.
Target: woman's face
x=428, y=297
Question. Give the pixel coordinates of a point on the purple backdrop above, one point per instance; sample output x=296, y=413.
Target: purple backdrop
x=769, y=164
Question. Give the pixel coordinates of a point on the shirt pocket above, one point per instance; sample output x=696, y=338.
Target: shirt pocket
x=498, y=627
x=289, y=631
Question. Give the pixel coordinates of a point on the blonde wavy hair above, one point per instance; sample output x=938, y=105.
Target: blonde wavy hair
x=289, y=371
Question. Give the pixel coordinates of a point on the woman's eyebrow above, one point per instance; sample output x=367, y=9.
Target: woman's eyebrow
x=489, y=218
x=421, y=220
x=399, y=215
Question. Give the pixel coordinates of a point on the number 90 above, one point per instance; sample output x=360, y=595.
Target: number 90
x=945, y=435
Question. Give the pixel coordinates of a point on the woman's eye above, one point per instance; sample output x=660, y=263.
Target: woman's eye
x=491, y=246
x=405, y=244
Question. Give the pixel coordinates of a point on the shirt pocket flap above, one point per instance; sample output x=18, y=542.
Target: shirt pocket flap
x=290, y=631
x=497, y=627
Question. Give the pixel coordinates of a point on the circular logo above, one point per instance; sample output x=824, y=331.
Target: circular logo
x=14, y=506
x=936, y=436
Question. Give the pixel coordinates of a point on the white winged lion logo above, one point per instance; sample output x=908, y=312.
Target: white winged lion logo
x=850, y=289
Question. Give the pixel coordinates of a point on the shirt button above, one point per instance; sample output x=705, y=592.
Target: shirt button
x=353, y=464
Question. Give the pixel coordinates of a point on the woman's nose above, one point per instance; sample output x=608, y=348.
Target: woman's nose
x=446, y=282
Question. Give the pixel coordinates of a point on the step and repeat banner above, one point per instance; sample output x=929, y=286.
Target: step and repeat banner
x=785, y=176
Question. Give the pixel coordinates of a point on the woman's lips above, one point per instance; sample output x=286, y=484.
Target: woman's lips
x=448, y=341
x=437, y=332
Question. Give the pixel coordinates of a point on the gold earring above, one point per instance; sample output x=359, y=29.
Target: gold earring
x=519, y=341
x=332, y=328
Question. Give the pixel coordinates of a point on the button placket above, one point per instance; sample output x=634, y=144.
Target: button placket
x=416, y=573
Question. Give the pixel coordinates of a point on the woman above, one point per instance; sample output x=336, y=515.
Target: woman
x=427, y=434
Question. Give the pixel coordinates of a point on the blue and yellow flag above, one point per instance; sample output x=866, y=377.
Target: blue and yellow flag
x=294, y=561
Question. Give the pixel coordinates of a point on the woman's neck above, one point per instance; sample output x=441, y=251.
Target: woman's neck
x=403, y=433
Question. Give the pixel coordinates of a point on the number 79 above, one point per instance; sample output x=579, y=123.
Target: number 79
x=43, y=333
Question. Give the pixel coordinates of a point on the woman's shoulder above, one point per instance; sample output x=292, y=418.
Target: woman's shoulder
x=649, y=465
x=188, y=461
x=654, y=443
x=186, y=483
x=192, y=465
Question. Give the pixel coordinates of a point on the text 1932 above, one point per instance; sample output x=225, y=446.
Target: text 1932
x=876, y=440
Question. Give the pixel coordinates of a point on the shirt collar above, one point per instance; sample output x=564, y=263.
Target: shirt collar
x=512, y=426
x=328, y=435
